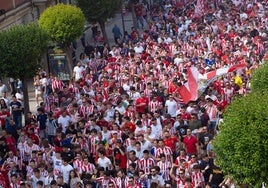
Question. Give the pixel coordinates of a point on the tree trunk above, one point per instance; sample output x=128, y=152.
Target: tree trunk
x=26, y=97
x=70, y=64
x=103, y=30
x=134, y=18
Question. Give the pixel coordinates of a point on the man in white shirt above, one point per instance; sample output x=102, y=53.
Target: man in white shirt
x=65, y=170
x=145, y=144
x=64, y=120
x=78, y=71
x=156, y=128
x=171, y=106
x=104, y=161
x=109, y=113
x=36, y=177
x=140, y=129
x=138, y=49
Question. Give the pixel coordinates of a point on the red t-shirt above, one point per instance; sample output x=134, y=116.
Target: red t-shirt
x=130, y=126
x=142, y=108
x=170, y=142
x=3, y=115
x=190, y=143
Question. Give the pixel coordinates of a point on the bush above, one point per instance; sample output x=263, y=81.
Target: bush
x=259, y=81
x=242, y=144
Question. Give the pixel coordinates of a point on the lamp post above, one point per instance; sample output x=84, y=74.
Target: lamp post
x=123, y=12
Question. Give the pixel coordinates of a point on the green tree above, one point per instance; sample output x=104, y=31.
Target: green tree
x=99, y=11
x=259, y=81
x=20, y=49
x=64, y=24
x=242, y=144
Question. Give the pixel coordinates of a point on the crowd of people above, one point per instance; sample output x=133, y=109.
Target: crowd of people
x=120, y=122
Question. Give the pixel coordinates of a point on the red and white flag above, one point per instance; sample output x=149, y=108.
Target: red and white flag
x=199, y=9
x=193, y=74
x=206, y=79
x=220, y=72
x=189, y=91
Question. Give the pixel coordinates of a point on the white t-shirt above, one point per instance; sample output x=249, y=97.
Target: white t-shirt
x=140, y=130
x=129, y=148
x=65, y=170
x=35, y=180
x=172, y=107
x=146, y=145
x=138, y=49
x=156, y=130
x=139, y=154
x=121, y=109
x=106, y=135
x=105, y=162
x=64, y=121
x=44, y=82
x=57, y=163
x=78, y=71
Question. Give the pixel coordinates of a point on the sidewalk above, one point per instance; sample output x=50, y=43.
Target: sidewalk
x=128, y=22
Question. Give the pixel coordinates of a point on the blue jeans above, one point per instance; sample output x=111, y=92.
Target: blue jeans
x=212, y=126
x=18, y=121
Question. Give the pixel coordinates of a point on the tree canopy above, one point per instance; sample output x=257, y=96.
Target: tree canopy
x=64, y=23
x=20, y=48
x=101, y=10
x=259, y=81
x=242, y=144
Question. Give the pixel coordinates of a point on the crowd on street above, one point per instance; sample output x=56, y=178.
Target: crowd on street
x=121, y=121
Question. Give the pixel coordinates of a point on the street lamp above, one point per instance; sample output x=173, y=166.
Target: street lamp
x=123, y=12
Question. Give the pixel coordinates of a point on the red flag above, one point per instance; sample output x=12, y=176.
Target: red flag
x=185, y=94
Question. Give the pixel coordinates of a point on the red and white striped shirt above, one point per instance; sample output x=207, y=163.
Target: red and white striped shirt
x=14, y=159
x=93, y=141
x=77, y=164
x=48, y=102
x=105, y=182
x=57, y=85
x=166, y=83
x=146, y=164
x=15, y=185
x=154, y=105
x=136, y=161
x=29, y=149
x=198, y=179
x=166, y=150
x=180, y=182
x=164, y=169
x=88, y=168
x=212, y=112
x=121, y=182
x=179, y=158
x=85, y=110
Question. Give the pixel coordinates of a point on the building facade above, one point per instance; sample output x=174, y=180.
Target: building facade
x=14, y=12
